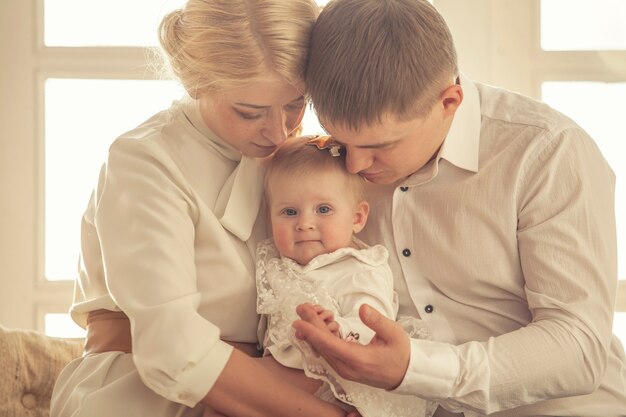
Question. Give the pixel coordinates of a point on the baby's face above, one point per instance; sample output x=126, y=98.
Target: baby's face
x=313, y=215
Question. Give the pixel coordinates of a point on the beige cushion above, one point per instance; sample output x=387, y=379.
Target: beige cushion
x=30, y=362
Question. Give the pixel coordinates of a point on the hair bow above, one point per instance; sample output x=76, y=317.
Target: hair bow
x=322, y=142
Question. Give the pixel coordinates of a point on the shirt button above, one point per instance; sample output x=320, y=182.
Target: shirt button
x=406, y=252
x=405, y=189
x=429, y=309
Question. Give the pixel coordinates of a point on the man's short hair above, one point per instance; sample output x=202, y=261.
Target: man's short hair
x=369, y=58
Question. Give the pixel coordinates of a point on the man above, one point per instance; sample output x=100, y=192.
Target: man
x=498, y=212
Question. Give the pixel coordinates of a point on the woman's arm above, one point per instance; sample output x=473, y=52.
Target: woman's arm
x=248, y=388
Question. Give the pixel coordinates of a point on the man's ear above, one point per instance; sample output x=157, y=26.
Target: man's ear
x=360, y=216
x=451, y=99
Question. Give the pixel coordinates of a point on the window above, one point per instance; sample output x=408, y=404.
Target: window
x=91, y=84
x=63, y=73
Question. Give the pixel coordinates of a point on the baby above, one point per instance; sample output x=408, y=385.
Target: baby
x=316, y=207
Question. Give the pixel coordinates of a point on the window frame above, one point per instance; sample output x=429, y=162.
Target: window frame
x=499, y=45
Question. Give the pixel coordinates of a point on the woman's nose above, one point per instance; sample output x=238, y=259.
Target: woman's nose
x=276, y=129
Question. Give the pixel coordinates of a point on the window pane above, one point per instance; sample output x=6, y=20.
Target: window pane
x=619, y=327
x=104, y=23
x=61, y=325
x=581, y=25
x=310, y=124
x=598, y=108
x=83, y=116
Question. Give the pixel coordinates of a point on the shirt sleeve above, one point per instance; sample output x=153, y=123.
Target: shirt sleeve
x=145, y=221
x=567, y=248
x=373, y=286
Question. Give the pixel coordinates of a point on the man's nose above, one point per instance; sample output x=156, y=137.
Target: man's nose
x=358, y=160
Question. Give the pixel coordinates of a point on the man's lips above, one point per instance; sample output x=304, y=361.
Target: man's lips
x=368, y=175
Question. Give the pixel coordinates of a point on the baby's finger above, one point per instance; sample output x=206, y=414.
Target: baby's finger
x=326, y=315
x=333, y=327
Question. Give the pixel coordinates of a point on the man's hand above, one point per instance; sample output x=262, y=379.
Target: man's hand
x=382, y=363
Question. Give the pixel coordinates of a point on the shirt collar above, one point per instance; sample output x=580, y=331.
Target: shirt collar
x=191, y=111
x=461, y=146
x=238, y=202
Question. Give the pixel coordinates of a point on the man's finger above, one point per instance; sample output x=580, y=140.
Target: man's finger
x=384, y=328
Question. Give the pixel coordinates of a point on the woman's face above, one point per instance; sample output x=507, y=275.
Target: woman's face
x=257, y=117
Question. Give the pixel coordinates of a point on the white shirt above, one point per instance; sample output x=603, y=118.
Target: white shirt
x=510, y=258
x=168, y=238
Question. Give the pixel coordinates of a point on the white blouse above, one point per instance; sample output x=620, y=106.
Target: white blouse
x=505, y=246
x=168, y=237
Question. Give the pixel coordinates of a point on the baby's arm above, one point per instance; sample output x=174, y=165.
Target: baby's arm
x=369, y=286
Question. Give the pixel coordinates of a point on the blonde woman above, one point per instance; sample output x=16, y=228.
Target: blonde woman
x=167, y=271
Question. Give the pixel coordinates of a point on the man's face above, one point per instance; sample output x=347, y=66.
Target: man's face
x=392, y=149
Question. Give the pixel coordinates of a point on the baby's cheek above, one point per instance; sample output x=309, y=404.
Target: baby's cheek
x=282, y=241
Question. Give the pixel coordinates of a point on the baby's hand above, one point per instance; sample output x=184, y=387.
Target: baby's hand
x=329, y=319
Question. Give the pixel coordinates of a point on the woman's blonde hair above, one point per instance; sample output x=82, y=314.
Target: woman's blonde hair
x=213, y=45
x=296, y=160
x=372, y=57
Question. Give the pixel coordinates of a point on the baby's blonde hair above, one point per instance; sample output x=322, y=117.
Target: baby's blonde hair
x=295, y=159
x=214, y=45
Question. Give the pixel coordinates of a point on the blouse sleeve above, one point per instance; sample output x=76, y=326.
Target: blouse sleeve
x=145, y=219
x=371, y=285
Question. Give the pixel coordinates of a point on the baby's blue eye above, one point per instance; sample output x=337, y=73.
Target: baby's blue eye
x=323, y=209
x=290, y=212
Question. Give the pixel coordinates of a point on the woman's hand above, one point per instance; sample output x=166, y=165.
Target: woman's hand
x=382, y=363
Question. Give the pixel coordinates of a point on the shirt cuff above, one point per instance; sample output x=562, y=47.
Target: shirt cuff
x=196, y=383
x=433, y=370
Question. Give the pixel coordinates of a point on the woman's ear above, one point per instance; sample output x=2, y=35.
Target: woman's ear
x=360, y=216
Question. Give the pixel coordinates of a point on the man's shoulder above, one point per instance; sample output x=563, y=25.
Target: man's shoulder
x=499, y=105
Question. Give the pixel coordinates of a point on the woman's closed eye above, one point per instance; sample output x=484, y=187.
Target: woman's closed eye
x=248, y=116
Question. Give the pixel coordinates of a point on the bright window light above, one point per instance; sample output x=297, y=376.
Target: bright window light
x=583, y=25
x=104, y=23
x=598, y=108
x=61, y=325
x=619, y=327
x=82, y=117
x=86, y=23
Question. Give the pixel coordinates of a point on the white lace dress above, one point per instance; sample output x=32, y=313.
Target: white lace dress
x=340, y=281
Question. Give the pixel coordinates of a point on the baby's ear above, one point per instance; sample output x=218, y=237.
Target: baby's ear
x=360, y=216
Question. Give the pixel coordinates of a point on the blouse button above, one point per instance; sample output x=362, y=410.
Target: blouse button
x=406, y=252
x=29, y=401
x=405, y=189
x=429, y=309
